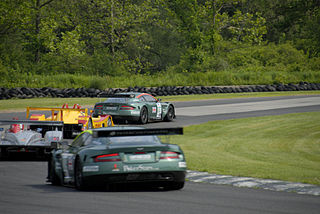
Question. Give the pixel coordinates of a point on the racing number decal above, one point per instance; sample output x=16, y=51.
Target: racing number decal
x=159, y=110
x=67, y=163
x=154, y=110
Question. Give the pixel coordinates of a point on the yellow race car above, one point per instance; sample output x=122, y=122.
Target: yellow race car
x=75, y=119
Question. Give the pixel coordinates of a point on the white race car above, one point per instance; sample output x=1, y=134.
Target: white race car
x=16, y=137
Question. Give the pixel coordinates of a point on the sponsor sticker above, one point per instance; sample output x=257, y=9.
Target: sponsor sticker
x=113, y=108
x=140, y=168
x=140, y=157
x=158, y=110
x=90, y=169
x=135, y=112
x=115, y=168
x=154, y=109
x=182, y=164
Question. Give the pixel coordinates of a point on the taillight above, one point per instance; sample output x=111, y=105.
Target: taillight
x=169, y=155
x=126, y=108
x=107, y=158
x=98, y=107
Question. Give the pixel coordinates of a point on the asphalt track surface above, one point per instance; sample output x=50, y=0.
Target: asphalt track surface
x=23, y=188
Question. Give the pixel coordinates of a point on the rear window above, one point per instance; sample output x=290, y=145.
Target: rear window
x=129, y=141
x=116, y=100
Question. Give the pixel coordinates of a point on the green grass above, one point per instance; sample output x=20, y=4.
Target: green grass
x=21, y=104
x=285, y=147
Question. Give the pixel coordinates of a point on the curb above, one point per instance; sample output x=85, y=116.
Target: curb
x=268, y=184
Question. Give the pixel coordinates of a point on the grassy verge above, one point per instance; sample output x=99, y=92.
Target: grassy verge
x=248, y=76
x=21, y=104
x=237, y=95
x=285, y=147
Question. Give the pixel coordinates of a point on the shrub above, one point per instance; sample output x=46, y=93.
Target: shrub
x=97, y=82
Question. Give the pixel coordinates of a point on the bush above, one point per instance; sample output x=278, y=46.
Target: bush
x=97, y=82
x=232, y=64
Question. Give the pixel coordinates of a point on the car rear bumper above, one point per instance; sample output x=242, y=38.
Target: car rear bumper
x=176, y=176
x=125, y=117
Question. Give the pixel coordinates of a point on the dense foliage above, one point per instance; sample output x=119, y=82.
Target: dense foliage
x=256, y=41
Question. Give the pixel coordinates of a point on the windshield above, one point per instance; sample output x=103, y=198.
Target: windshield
x=129, y=141
x=116, y=100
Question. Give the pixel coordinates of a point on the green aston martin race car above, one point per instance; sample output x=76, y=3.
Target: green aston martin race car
x=133, y=106
x=113, y=155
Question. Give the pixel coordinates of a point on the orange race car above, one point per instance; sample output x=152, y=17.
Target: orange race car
x=75, y=119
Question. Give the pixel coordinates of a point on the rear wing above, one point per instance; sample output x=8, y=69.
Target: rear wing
x=32, y=122
x=119, y=96
x=137, y=132
x=55, y=110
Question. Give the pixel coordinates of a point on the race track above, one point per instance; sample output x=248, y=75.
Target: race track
x=197, y=112
x=23, y=188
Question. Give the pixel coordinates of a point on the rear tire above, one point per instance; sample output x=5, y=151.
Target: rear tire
x=174, y=186
x=78, y=176
x=170, y=114
x=90, y=124
x=4, y=153
x=54, y=178
x=109, y=123
x=143, y=115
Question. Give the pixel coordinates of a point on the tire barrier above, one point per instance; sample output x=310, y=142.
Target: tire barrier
x=27, y=93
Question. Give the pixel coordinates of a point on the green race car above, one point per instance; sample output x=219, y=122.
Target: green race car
x=113, y=155
x=133, y=106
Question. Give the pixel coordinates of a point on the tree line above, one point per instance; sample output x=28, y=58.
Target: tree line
x=121, y=37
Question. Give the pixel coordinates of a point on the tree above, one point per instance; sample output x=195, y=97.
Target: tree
x=34, y=14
